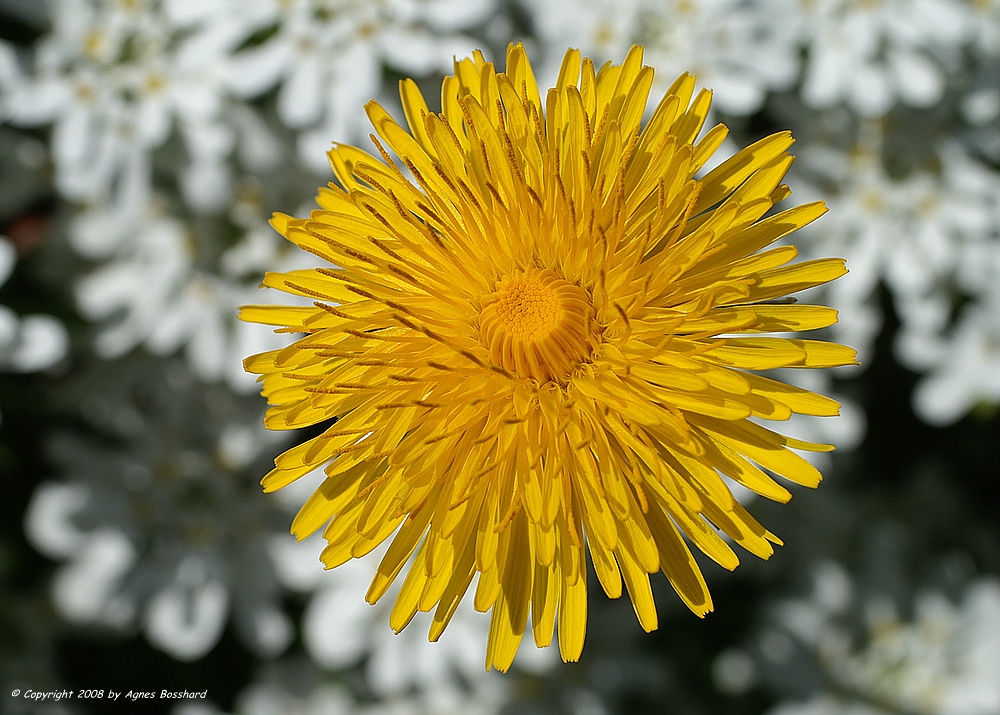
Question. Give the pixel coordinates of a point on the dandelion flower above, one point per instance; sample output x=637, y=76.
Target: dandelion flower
x=540, y=333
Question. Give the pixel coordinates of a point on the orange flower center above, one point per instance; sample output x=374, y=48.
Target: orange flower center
x=537, y=325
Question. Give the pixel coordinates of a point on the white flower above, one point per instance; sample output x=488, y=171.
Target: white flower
x=165, y=531
x=964, y=365
x=726, y=43
x=151, y=290
x=986, y=26
x=863, y=226
x=166, y=284
x=340, y=630
x=327, y=58
x=187, y=617
x=945, y=661
x=600, y=29
x=114, y=78
x=274, y=695
x=911, y=233
x=826, y=705
x=29, y=343
x=956, y=224
x=870, y=55
x=84, y=590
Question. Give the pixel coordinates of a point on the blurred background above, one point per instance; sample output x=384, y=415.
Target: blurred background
x=143, y=145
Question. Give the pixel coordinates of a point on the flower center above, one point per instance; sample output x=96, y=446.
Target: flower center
x=536, y=325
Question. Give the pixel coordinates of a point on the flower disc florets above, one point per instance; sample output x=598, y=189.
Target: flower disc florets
x=537, y=325
x=538, y=346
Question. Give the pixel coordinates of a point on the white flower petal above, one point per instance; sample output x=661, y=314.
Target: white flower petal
x=83, y=589
x=823, y=82
x=297, y=562
x=173, y=328
x=198, y=102
x=919, y=350
x=31, y=104
x=186, y=619
x=8, y=259
x=312, y=148
x=273, y=631
x=208, y=140
x=415, y=51
x=9, y=72
x=943, y=398
x=450, y=15
x=107, y=289
x=91, y=179
x=43, y=342
x=9, y=326
x=736, y=93
x=921, y=83
x=395, y=665
x=207, y=185
x=184, y=13
x=48, y=522
x=357, y=77
x=75, y=135
x=300, y=100
x=204, y=50
x=253, y=71
x=860, y=34
x=113, y=342
x=133, y=189
x=154, y=120
x=871, y=92
x=945, y=22
x=259, y=148
x=337, y=627
x=207, y=350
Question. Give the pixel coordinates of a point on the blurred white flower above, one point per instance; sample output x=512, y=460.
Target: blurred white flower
x=871, y=55
x=83, y=591
x=827, y=705
x=910, y=234
x=9, y=74
x=986, y=26
x=187, y=617
x=114, y=78
x=727, y=44
x=151, y=290
x=155, y=286
x=863, y=226
x=734, y=672
x=271, y=696
x=271, y=699
x=600, y=29
x=944, y=661
x=963, y=365
x=341, y=630
x=166, y=530
x=27, y=343
x=327, y=58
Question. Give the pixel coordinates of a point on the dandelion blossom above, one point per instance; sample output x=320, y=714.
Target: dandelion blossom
x=540, y=333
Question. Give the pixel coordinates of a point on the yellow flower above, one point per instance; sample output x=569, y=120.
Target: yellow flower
x=540, y=333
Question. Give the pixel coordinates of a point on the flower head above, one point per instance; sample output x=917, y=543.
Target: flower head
x=539, y=333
